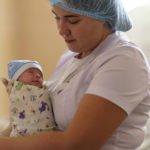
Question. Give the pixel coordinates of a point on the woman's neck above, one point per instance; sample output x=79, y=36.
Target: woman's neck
x=88, y=52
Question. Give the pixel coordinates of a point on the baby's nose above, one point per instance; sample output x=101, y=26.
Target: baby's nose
x=37, y=75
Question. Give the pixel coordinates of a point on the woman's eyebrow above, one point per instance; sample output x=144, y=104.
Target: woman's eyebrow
x=70, y=16
x=66, y=16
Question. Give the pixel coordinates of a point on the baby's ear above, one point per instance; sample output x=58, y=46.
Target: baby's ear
x=5, y=81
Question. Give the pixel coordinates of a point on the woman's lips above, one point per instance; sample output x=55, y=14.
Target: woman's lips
x=69, y=41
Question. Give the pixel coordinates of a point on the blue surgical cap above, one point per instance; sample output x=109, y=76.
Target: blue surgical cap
x=111, y=11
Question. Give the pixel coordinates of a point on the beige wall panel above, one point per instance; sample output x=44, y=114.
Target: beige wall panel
x=8, y=45
x=39, y=36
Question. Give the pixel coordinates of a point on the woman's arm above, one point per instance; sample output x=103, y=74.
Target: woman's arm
x=95, y=121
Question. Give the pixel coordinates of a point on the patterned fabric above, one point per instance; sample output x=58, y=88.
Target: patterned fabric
x=30, y=110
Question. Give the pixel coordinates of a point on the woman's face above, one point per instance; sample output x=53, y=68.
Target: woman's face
x=82, y=34
x=32, y=76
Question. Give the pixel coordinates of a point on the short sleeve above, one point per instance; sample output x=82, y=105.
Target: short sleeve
x=122, y=79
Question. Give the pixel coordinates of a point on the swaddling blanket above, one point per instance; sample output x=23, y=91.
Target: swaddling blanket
x=30, y=110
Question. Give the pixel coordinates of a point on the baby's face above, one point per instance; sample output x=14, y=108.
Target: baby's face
x=32, y=76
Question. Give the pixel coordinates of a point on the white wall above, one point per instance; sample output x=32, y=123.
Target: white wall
x=140, y=34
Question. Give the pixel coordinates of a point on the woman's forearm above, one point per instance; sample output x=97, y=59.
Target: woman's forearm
x=42, y=141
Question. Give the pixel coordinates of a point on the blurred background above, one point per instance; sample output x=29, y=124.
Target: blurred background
x=28, y=31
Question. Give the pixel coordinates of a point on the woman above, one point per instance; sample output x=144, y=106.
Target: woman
x=100, y=88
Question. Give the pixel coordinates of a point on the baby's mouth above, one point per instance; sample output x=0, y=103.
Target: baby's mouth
x=36, y=82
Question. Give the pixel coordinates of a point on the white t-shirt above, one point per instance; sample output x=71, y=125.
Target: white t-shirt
x=116, y=70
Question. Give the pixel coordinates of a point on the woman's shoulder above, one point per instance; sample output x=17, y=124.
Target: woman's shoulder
x=119, y=45
x=119, y=50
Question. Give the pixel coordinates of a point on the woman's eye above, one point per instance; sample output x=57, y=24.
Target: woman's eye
x=73, y=21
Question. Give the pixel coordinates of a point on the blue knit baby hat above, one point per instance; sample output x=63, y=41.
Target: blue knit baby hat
x=17, y=67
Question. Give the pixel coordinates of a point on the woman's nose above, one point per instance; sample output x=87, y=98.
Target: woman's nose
x=63, y=28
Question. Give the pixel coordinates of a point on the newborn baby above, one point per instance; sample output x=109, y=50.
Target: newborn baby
x=30, y=105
